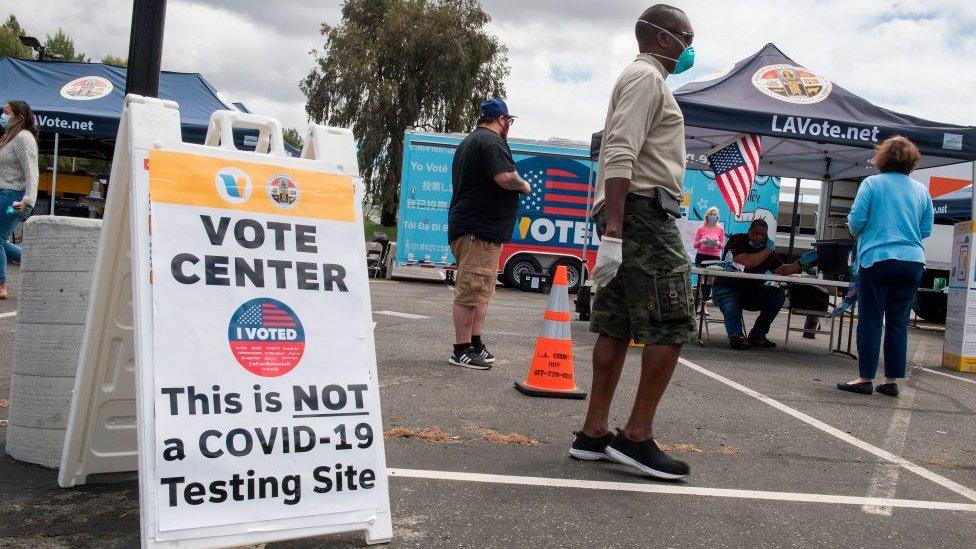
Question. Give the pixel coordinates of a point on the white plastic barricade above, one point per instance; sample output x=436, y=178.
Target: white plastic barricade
x=255, y=394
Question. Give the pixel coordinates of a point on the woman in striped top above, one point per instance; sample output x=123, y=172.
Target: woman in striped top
x=18, y=178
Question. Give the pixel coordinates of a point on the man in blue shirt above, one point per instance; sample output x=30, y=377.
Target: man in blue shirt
x=731, y=295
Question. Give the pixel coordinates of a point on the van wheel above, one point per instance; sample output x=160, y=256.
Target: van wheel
x=518, y=266
x=574, y=272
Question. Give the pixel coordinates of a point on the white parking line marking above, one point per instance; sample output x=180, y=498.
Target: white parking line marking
x=401, y=315
x=8, y=315
x=652, y=488
x=931, y=371
x=964, y=491
x=884, y=481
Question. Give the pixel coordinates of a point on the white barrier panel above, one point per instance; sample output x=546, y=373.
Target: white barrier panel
x=258, y=404
x=55, y=281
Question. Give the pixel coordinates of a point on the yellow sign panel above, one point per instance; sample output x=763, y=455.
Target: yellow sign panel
x=221, y=183
x=959, y=363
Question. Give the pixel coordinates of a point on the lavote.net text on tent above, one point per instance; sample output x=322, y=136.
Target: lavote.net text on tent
x=255, y=330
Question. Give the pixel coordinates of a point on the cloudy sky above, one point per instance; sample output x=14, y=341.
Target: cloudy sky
x=913, y=56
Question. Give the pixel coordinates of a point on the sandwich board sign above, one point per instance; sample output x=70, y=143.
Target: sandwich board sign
x=256, y=397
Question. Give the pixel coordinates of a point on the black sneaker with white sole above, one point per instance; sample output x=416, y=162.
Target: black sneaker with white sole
x=588, y=448
x=469, y=358
x=485, y=355
x=646, y=457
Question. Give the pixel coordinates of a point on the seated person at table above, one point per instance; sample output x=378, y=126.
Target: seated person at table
x=732, y=295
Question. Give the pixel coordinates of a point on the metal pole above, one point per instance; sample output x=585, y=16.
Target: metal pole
x=145, y=47
x=795, y=219
x=972, y=183
x=54, y=175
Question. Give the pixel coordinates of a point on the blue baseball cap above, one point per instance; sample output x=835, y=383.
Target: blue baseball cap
x=494, y=108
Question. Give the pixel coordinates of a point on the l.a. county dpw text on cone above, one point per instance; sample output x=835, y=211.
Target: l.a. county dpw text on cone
x=551, y=372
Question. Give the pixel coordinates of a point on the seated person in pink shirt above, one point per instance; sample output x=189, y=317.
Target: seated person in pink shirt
x=709, y=241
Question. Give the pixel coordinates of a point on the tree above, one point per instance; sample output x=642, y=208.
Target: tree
x=392, y=65
x=62, y=47
x=10, y=45
x=115, y=61
x=293, y=138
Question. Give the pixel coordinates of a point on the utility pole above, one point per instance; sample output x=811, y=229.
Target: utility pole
x=145, y=47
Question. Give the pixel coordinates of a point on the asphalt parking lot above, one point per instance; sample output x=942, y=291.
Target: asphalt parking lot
x=779, y=457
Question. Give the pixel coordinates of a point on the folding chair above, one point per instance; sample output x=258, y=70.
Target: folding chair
x=806, y=313
x=704, y=321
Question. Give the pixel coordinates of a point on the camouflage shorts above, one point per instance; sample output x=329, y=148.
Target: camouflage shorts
x=650, y=299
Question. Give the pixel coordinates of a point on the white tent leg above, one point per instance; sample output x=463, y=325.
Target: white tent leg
x=54, y=176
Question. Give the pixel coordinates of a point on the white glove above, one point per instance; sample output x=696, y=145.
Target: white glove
x=608, y=259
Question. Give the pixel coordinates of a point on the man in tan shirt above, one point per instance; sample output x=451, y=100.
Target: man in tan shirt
x=642, y=271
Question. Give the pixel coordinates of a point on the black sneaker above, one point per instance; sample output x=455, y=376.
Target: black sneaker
x=588, y=448
x=646, y=457
x=738, y=343
x=469, y=358
x=485, y=355
x=761, y=342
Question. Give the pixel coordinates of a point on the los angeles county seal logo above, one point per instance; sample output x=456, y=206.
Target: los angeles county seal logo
x=792, y=84
x=86, y=88
x=266, y=337
x=283, y=191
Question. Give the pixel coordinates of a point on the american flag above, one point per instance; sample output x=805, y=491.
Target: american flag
x=556, y=192
x=735, y=167
x=266, y=315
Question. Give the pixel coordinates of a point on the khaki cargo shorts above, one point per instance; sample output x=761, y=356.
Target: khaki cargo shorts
x=477, y=270
x=650, y=300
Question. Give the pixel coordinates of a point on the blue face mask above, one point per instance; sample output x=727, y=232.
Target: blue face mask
x=684, y=61
x=712, y=218
x=754, y=245
x=4, y=121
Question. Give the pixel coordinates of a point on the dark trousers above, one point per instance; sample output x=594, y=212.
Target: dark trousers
x=885, y=291
x=768, y=300
x=706, y=289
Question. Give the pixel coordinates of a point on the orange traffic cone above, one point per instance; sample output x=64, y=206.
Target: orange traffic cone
x=551, y=373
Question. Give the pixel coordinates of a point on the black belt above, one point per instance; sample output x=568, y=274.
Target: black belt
x=662, y=200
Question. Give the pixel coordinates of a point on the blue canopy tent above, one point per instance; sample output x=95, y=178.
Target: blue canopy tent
x=954, y=207
x=810, y=127
x=78, y=105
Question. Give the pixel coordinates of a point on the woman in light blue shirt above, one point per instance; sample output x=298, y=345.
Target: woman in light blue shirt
x=891, y=215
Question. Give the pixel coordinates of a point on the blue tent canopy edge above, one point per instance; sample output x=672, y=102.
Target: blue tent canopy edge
x=82, y=103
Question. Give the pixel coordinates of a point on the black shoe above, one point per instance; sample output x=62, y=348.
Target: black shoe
x=588, y=448
x=646, y=457
x=865, y=388
x=889, y=389
x=469, y=358
x=738, y=343
x=761, y=342
x=485, y=355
